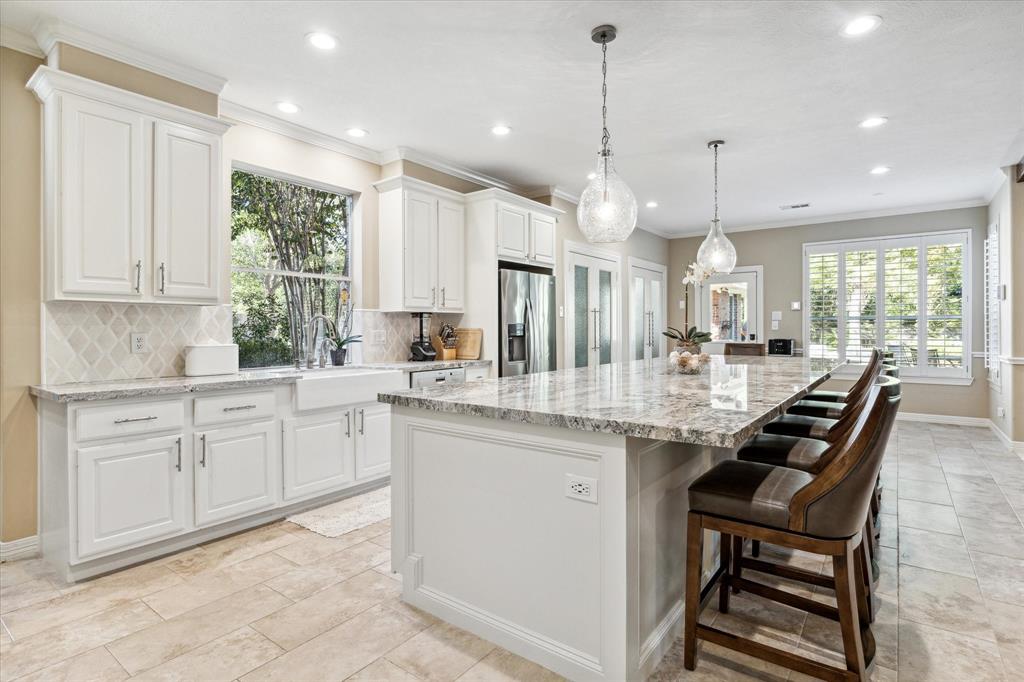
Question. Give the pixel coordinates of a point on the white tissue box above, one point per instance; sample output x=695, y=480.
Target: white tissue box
x=209, y=359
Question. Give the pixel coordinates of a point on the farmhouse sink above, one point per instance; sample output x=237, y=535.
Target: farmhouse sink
x=337, y=386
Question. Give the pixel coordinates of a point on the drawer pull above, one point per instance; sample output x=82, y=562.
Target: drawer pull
x=239, y=408
x=129, y=420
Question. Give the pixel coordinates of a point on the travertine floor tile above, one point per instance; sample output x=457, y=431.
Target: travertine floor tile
x=921, y=472
x=928, y=653
x=168, y=639
x=62, y=642
x=221, y=660
x=943, y=600
x=937, y=517
x=341, y=651
x=762, y=620
x=230, y=550
x=504, y=666
x=936, y=551
x=980, y=482
x=384, y=540
x=1001, y=578
x=383, y=670
x=823, y=636
x=442, y=652
x=889, y=536
x=313, y=548
x=300, y=622
x=994, y=537
x=26, y=593
x=924, y=491
x=302, y=581
x=1008, y=624
x=986, y=506
x=95, y=666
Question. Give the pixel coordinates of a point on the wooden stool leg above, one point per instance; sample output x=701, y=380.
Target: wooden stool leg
x=694, y=556
x=755, y=548
x=865, y=607
x=737, y=561
x=725, y=557
x=844, y=569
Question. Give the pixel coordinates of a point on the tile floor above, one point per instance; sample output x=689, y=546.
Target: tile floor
x=282, y=603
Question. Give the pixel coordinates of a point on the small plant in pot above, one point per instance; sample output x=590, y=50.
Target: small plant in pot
x=690, y=340
x=340, y=350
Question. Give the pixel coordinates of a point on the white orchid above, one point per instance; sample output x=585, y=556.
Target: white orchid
x=697, y=274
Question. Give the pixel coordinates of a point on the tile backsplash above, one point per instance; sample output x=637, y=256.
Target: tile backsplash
x=91, y=341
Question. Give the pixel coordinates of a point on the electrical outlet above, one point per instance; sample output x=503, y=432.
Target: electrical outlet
x=380, y=337
x=682, y=304
x=775, y=325
x=581, y=488
x=140, y=342
x=1000, y=412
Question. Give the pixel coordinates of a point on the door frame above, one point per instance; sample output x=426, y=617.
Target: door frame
x=569, y=248
x=758, y=272
x=634, y=263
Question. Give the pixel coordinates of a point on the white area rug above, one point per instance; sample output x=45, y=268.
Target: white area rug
x=347, y=515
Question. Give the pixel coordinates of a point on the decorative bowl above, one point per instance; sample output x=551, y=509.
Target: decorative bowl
x=685, y=362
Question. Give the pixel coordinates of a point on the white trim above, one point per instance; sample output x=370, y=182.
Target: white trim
x=48, y=34
x=1015, y=445
x=240, y=114
x=22, y=42
x=634, y=263
x=498, y=194
x=840, y=217
x=1010, y=360
x=448, y=167
x=408, y=182
x=19, y=549
x=552, y=191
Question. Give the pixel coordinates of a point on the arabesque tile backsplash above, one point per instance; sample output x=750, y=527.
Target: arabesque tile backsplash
x=88, y=341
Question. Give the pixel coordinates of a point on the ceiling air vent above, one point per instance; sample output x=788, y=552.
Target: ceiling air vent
x=790, y=207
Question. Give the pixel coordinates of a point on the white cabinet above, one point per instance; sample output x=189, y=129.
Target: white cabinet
x=129, y=493
x=513, y=232
x=235, y=471
x=186, y=196
x=132, y=195
x=542, y=239
x=525, y=234
x=422, y=247
x=373, y=440
x=102, y=199
x=318, y=453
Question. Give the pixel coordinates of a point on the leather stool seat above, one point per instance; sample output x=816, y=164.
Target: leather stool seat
x=784, y=451
x=748, y=491
x=818, y=408
x=801, y=425
x=827, y=396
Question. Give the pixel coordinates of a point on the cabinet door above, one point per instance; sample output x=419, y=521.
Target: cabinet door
x=129, y=493
x=235, y=471
x=513, y=232
x=373, y=440
x=420, y=251
x=451, y=255
x=102, y=205
x=319, y=453
x=186, y=210
x=542, y=235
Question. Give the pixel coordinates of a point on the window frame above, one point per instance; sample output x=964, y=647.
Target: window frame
x=921, y=372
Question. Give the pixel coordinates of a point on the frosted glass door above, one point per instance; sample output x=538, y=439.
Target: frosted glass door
x=593, y=309
x=646, y=313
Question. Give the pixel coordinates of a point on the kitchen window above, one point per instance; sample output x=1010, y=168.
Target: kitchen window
x=906, y=294
x=290, y=260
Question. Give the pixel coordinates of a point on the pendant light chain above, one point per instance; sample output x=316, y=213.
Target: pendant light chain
x=605, y=136
x=716, y=182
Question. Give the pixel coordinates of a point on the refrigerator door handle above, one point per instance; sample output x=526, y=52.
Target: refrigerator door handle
x=528, y=328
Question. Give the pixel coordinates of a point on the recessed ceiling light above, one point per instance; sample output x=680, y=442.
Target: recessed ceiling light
x=501, y=129
x=652, y=204
x=288, y=107
x=356, y=132
x=880, y=170
x=591, y=176
x=862, y=25
x=874, y=122
x=322, y=41
x=878, y=194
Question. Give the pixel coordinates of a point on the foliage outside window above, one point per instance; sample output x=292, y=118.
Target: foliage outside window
x=289, y=261
x=904, y=294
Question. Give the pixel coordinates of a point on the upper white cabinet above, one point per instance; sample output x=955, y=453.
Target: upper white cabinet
x=524, y=230
x=422, y=247
x=132, y=194
x=513, y=232
x=542, y=238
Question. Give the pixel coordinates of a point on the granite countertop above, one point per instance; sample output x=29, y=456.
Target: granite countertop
x=411, y=366
x=722, y=407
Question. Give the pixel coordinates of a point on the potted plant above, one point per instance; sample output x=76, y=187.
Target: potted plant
x=690, y=340
x=343, y=336
x=340, y=350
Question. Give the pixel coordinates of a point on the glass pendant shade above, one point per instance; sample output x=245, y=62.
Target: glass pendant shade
x=607, y=209
x=717, y=253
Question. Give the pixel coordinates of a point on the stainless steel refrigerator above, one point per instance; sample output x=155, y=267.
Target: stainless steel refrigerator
x=526, y=319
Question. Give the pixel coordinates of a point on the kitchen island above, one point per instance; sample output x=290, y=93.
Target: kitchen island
x=547, y=512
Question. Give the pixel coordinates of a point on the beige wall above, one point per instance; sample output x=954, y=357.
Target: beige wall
x=20, y=279
x=780, y=251
x=105, y=70
x=434, y=177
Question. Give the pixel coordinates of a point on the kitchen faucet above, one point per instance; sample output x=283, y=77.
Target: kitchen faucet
x=311, y=333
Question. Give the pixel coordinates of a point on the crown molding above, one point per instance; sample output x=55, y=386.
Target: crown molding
x=552, y=191
x=840, y=217
x=22, y=42
x=240, y=114
x=448, y=167
x=405, y=181
x=998, y=180
x=48, y=34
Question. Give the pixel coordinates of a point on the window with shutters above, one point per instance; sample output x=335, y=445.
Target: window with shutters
x=907, y=295
x=992, y=291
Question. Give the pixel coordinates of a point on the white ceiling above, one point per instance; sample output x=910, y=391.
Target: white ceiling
x=776, y=80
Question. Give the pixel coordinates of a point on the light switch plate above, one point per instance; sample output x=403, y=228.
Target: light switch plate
x=140, y=342
x=794, y=305
x=682, y=304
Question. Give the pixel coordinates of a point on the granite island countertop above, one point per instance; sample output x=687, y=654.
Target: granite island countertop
x=722, y=407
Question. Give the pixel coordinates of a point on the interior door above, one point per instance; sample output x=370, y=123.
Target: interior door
x=451, y=260
x=373, y=440
x=730, y=306
x=103, y=198
x=186, y=191
x=235, y=471
x=646, y=313
x=420, y=251
x=318, y=453
x=592, y=334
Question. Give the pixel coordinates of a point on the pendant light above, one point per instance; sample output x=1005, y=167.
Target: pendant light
x=607, y=208
x=716, y=253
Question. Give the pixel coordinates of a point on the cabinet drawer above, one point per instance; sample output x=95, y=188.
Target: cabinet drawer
x=129, y=419
x=235, y=407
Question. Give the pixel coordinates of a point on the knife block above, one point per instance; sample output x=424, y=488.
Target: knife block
x=442, y=352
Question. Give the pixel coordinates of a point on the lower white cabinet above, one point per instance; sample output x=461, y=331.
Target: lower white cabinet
x=129, y=493
x=373, y=440
x=318, y=453
x=235, y=471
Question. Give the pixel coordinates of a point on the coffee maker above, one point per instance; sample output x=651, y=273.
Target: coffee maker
x=422, y=350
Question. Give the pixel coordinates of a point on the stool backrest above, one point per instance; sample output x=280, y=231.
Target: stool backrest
x=835, y=503
x=856, y=401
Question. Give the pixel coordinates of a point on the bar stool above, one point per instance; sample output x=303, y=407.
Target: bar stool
x=822, y=514
x=833, y=409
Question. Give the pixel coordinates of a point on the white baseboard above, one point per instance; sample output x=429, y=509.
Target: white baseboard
x=1015, y=445
x=19, y=549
